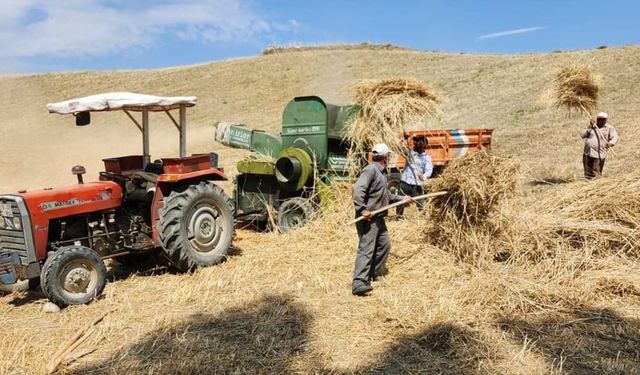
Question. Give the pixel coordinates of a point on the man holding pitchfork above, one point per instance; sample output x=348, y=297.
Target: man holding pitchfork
x=598, y=137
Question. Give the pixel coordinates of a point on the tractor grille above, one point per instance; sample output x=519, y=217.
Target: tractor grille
x=6, y=263
x=12, y=238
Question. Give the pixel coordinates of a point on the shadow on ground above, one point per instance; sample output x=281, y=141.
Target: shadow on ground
x=145, y=264
x=582, y=341
x=150, y=263
x=551, y=181
x=262, y=338
x=271, y=336
x=444, y=348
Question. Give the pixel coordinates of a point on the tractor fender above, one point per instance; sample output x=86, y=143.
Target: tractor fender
x=213, y=174
x=169, y=181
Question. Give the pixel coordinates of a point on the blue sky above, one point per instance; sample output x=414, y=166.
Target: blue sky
x=51, y=35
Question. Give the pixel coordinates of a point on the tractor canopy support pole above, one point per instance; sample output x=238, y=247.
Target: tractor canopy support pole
x=146, y=158
x=183, y=131
x=172, y=119
x=133, y=119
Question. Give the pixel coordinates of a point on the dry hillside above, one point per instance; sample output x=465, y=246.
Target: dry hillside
x=501, y=92
x=282, y=303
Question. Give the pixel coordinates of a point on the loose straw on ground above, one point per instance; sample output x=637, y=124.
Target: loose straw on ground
x=483, y=218
x=73, y=343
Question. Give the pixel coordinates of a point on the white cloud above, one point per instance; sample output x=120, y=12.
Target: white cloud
x=73, y=28
x=511, y=32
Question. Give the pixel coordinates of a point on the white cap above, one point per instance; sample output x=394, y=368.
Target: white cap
x=602, y=115
x=381, y=149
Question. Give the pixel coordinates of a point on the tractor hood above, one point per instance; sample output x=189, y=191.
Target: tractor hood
x=73, y=200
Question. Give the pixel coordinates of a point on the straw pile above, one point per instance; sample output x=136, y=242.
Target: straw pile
x=483, y=219
x=575, y=88
x=387, y=107
x=601, y=217
x=464, y=222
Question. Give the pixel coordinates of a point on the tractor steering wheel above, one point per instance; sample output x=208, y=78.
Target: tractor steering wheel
x=114, y=177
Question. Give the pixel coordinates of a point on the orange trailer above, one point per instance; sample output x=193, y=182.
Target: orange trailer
x=446, y=145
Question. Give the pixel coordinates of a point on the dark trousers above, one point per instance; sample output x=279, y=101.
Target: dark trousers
x=593, y=167
x=412, y=191
x=373, y=250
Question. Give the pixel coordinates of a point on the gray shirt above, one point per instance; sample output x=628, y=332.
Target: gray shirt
x=595, y=141
x=370, y=191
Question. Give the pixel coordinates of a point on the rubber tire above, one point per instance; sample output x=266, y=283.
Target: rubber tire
x=300, y=207
x=34, y=284
x=394, y=186
x=55, y=263
x=173, y=225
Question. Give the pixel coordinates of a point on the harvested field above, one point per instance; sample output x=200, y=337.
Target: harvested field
x=562, y=297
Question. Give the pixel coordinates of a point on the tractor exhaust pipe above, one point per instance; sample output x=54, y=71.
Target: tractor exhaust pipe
x=78, y=171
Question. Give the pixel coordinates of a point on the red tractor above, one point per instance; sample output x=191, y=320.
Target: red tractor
x=58, y=238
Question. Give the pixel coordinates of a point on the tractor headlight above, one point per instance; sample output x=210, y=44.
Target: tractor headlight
x=16, y=223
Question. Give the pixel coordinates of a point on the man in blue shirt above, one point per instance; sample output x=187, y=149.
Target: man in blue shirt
x=416, y=172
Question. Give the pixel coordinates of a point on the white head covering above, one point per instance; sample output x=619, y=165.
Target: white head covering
x=602, y=115
x=381, y=149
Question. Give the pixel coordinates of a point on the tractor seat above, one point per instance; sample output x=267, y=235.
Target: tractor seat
x=155, y=168
x=145, y=176
x=141, y=186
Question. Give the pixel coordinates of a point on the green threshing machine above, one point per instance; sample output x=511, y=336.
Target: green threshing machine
x=283, y=174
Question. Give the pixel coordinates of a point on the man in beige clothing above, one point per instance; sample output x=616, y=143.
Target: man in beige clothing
x=598, y=137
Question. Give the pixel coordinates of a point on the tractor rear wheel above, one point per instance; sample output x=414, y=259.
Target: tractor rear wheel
x=197, y=226
x=73, y=275
x=294, y=213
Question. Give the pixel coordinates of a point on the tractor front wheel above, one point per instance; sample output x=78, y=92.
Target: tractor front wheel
x=197, y=226
x=73, y=275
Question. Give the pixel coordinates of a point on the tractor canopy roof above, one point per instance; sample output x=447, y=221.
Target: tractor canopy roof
x=127, y=101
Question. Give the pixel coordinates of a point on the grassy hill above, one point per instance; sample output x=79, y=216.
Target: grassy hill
x=498, y=91
x=282, y=303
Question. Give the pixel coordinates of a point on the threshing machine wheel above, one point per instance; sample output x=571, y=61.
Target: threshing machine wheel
x=293, y=213
x=394, y=186
x=73, y=275
x=197, y=226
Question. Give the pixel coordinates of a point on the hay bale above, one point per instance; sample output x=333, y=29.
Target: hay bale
x=466, y=221
x=575, y=87
x=387, y=107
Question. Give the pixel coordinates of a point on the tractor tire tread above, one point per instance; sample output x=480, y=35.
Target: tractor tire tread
x=48, y=279
x=171, y=214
